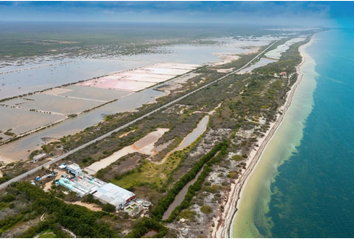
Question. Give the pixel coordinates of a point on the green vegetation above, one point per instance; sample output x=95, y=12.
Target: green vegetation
x=237, y=157
x=222, y=147
x=79, y=220
x=188, y=214
x=287, y=62
x=143, y=225
x=152, y=174
x=164, y=203
x=206, y=209
x=108, y=208
x=45, y=229
x=46, y=234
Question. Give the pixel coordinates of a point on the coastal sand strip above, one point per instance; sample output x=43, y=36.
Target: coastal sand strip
x=223, y=223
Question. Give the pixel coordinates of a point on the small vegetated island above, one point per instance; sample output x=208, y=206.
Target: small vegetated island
x=169, y=168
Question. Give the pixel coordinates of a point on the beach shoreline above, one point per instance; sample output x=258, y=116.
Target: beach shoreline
x=222, y=223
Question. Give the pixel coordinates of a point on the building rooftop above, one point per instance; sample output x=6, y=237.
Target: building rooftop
x=74, y=167
x=113, y=194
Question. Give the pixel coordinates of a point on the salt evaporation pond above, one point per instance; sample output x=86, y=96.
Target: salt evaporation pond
x=81, y=69
x=76, y=69
x=19, y=149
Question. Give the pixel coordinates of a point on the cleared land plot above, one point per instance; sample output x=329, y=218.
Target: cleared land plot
x=21, y=121
x=94, y=93
x=50, y=103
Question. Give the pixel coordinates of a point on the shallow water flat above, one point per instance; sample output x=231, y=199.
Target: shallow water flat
x=21, y=121
x=55, y=104
x=262, y=62
x=94, y=93
x=124, y=85
x=19, y=149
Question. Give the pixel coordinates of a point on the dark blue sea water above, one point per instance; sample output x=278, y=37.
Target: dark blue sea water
x=313, y=194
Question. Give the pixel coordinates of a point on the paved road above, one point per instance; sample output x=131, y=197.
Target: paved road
x=18, y=178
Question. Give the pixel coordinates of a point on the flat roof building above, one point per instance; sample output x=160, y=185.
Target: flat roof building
x=84, y=184
x=112, y=194
x=74, y=169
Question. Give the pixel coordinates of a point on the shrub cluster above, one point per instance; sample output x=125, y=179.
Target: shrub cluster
x=165, y=202
x=199, y=183
x=144, y=225
x=78, y=219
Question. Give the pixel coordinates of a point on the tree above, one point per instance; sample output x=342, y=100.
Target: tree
x=109, y=208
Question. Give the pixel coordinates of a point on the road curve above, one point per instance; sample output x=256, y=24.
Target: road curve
x=20, y=177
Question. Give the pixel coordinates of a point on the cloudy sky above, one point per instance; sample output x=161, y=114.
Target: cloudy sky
x=296, y=13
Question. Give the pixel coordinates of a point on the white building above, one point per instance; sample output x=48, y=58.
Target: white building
x=112, y=194
x=84, y=184
x=74, y=169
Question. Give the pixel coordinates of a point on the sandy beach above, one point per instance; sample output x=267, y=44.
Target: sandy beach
x=223, y=221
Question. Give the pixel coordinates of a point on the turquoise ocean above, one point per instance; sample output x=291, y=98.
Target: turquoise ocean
x=311, y=180
x=315, y=187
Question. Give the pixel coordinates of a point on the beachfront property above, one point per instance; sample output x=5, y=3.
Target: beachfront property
x=83, y=184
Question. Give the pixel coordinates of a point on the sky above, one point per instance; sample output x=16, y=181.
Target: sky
x=279, y=13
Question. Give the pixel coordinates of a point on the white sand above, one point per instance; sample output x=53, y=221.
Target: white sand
x=226, y=58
